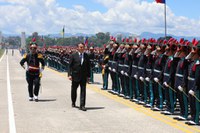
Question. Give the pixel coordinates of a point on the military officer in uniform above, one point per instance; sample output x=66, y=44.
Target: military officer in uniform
x=127, y=66
x=91, y=55
x=157, y=76
x=194, y=83
x=181, y=80
x=134, y=68
x=33, y=72
x=105, y=71
x=168, y=77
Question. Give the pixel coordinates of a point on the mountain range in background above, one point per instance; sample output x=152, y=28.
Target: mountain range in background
x=156, y=36
x=146, y=35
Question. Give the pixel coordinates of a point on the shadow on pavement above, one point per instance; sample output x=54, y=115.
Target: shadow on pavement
x=94, y=108
x=46, y=100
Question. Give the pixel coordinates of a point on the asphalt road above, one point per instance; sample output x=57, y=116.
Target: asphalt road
x=53, y=113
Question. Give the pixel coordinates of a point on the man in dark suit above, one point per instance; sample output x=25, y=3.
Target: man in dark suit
x=79, y=74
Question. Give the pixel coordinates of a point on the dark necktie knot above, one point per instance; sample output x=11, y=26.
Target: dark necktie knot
x=81, y=55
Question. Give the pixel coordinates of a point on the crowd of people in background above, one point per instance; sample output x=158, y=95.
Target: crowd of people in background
x=57, y=57
x=159, y=74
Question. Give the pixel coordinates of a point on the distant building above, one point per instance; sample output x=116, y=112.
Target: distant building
x=23, y=40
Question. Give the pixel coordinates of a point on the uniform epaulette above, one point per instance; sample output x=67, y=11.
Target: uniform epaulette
x=40, y=56
x=25, y=55
x=106, y=57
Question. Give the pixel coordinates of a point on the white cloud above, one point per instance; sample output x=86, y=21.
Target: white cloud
x=46, y=16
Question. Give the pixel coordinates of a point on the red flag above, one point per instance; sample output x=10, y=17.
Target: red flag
x=160, y=1
x=86, y=41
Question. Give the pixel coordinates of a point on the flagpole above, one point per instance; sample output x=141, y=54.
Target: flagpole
x=165, y=20
x=63, y=34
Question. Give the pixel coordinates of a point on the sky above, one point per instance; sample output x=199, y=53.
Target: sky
x=93, y=16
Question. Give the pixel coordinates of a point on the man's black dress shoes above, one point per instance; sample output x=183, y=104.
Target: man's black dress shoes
x=83, y=108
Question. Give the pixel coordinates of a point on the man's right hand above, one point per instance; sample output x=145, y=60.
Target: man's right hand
x=70, y=77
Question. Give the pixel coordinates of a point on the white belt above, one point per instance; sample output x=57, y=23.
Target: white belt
x=148, y=69
x=140, y=68
x=35, y=68
x=189, y=78
x=126, y=65
x=134, y=66
x=120, y=65
x=179, y=75
x=166, y=74
x=155, y=70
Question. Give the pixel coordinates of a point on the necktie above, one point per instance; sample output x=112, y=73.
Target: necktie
x=81, y=57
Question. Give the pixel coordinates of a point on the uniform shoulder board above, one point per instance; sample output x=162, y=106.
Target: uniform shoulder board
x=25, y=55
x=40, y=56
x=106, y=57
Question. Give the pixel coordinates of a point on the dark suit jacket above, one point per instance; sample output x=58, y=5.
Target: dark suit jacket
x=76, y=70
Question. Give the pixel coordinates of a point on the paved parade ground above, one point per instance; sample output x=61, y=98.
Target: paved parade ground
x=106, y=113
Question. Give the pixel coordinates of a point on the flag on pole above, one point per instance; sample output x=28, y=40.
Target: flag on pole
x=63, y=31
x=86, y=41
x=160, y=1
x=165, y=14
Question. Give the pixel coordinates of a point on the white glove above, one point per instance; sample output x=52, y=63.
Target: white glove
x=191, y=92
x=135, y=76
x=114, y=70
x=156, y=80
x=142, y=79
x=122, y=72
x=109, y=68
x=180, y=88
x=165, y=83
x=147, y=79
x=126, y=73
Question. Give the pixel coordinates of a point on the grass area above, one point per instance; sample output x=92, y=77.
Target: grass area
x=1, y=52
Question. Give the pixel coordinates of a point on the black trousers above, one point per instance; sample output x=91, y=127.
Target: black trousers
x=74, y=87
x=33, y=80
